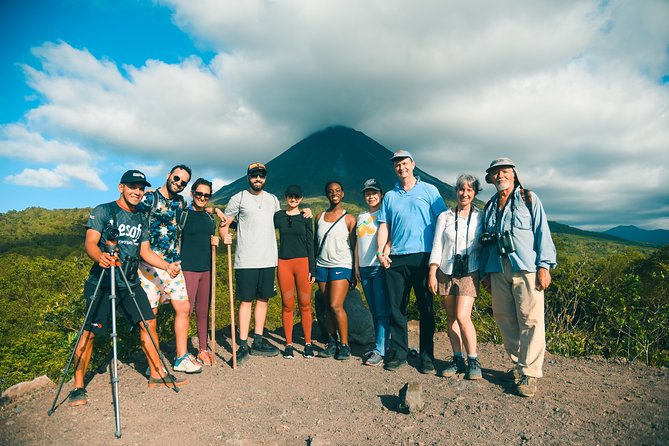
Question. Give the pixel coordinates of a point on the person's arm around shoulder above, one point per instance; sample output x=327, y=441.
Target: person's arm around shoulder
x=309, y=234
x=316, y=241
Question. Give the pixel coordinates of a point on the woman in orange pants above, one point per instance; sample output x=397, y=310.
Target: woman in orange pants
x=296, y=268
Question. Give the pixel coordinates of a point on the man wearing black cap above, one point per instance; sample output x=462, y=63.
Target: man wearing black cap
x=408, y=215
x=132, y=241
x=516, y=258
x=255, y=257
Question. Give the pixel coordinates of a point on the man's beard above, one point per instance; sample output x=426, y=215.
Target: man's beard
x=502, y=185
x=256, y=187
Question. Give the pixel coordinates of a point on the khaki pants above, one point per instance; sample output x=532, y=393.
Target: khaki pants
x=519, y=312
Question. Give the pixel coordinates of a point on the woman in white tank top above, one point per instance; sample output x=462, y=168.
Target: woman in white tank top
x=334, y=239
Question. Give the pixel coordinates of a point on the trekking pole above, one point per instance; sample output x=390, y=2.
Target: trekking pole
x=213, y=305
x=233, y=330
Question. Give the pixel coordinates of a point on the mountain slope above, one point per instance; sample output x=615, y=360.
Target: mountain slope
x=658, y=237
x=336, y=153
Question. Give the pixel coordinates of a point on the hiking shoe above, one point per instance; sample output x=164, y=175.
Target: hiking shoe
x=394, y=364
x=343, y=353
x=204, y=358
x=242, y=353
x=329, y=351
x=308, y=351
x=288, y=352
x=147, y=372
x=186, y=364
x=473, y=369
x=78, y=397
x=426, y=364
x=167, y=382
x=263, y=348
x=374, y=360
x=526, y=386
x=512, y=375
x=455, y=365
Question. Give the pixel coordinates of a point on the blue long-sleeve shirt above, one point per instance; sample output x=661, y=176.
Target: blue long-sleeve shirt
x=531, y=235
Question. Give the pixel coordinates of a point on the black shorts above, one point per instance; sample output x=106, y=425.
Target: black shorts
x=255, y=283
x=100, y=313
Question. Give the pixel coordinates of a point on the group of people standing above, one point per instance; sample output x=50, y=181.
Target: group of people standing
x=407, y=239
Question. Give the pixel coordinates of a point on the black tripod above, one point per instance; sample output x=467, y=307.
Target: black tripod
x=111, y=248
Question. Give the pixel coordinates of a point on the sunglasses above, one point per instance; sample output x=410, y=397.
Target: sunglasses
x=294, y=197
x=178, y=180
x=202, y=195
x=257, y=175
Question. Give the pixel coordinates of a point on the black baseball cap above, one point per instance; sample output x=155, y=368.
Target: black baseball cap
x=256, y=167
x=372, y=184
x=136, y=177
x=293, y=189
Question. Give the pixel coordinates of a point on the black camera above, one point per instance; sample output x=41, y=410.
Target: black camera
x=460, y=265
x=505, y=243
x=111, y=233
x=488, y=238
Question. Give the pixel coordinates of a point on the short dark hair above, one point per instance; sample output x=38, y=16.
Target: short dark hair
x=201, y=181
x=332, y=182
x=182, y=167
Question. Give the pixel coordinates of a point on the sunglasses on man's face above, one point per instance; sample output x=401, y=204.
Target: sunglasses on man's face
x=257, y=175
x=202, y=195
x=179, y=181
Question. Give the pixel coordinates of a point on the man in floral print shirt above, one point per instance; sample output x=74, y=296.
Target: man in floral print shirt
x=163, y=209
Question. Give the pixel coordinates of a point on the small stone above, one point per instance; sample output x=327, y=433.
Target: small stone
x=411, y=398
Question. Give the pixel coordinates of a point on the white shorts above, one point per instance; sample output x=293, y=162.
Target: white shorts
x=159, y=286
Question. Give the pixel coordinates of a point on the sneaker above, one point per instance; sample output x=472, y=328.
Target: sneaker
x=78, y=397
x=455, y=365
x=329, y=351
x=167, y=382
x=426, y=364
x=288, y=352
x=512, y=375
x=473, y=369
x=186, y=364
x=343, y=353
x=308, y=351
x=242, y=353
x=147, y=372
x=394, y=364
x=263, y=348
x=374, y=360
x=526, y=386
x=204, y=358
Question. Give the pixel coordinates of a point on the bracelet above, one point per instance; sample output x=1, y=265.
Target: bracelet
x=380, y=253
x=221, y=225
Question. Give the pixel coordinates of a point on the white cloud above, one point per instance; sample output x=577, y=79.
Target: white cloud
x=571, y=90
x=56, y=178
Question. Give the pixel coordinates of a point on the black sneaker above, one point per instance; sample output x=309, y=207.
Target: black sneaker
x=329, y=351
x=394, y=364
x=262, y=348
x=288, y=352
x=343, y=353
x=473, y=369
x=308, y=351
x=78, y=397
x=242, y=353
x=426, y=364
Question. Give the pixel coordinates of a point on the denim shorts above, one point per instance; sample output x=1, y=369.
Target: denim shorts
x=324, y=274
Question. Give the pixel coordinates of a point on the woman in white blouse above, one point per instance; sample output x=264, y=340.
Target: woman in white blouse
x=454, y=275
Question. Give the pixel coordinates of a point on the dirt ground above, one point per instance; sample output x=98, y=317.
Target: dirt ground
x=327, y=402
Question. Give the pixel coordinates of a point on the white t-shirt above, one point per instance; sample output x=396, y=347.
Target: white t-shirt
x=256, y=239
x=366, y=229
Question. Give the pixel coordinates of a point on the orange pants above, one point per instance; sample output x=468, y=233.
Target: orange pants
x=295, y=273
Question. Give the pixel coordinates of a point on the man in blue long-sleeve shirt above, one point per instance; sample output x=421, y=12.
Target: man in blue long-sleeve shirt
x=517, y=257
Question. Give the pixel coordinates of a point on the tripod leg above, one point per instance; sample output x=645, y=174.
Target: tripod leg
x=146, y=327
x=76, y=344
x=114, y=368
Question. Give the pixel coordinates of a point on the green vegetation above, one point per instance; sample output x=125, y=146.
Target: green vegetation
x=607, y=298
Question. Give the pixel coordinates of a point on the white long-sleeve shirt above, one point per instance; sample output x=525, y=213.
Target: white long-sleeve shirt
x=443, y=245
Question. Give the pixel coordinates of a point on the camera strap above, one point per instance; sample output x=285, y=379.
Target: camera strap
x=469, y=219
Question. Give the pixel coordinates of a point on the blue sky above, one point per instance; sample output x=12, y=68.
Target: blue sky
x=576, y=92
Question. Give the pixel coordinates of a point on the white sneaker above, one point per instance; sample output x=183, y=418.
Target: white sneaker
x=186, y=364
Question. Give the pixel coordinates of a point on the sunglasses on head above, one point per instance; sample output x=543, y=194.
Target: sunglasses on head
x=178, y=180
x=204, y=195
x=257, y=175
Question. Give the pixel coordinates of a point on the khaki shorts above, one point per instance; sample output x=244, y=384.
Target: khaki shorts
x=464, y=286
x=159, y=286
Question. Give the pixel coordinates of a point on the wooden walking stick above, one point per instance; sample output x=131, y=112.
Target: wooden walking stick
x=212, y=304
x=233, y=331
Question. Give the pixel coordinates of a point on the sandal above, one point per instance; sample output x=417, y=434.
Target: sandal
x=204, y=357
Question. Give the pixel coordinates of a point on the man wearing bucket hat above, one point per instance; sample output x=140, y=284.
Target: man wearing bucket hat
x=517, y=255
x=408, y=216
